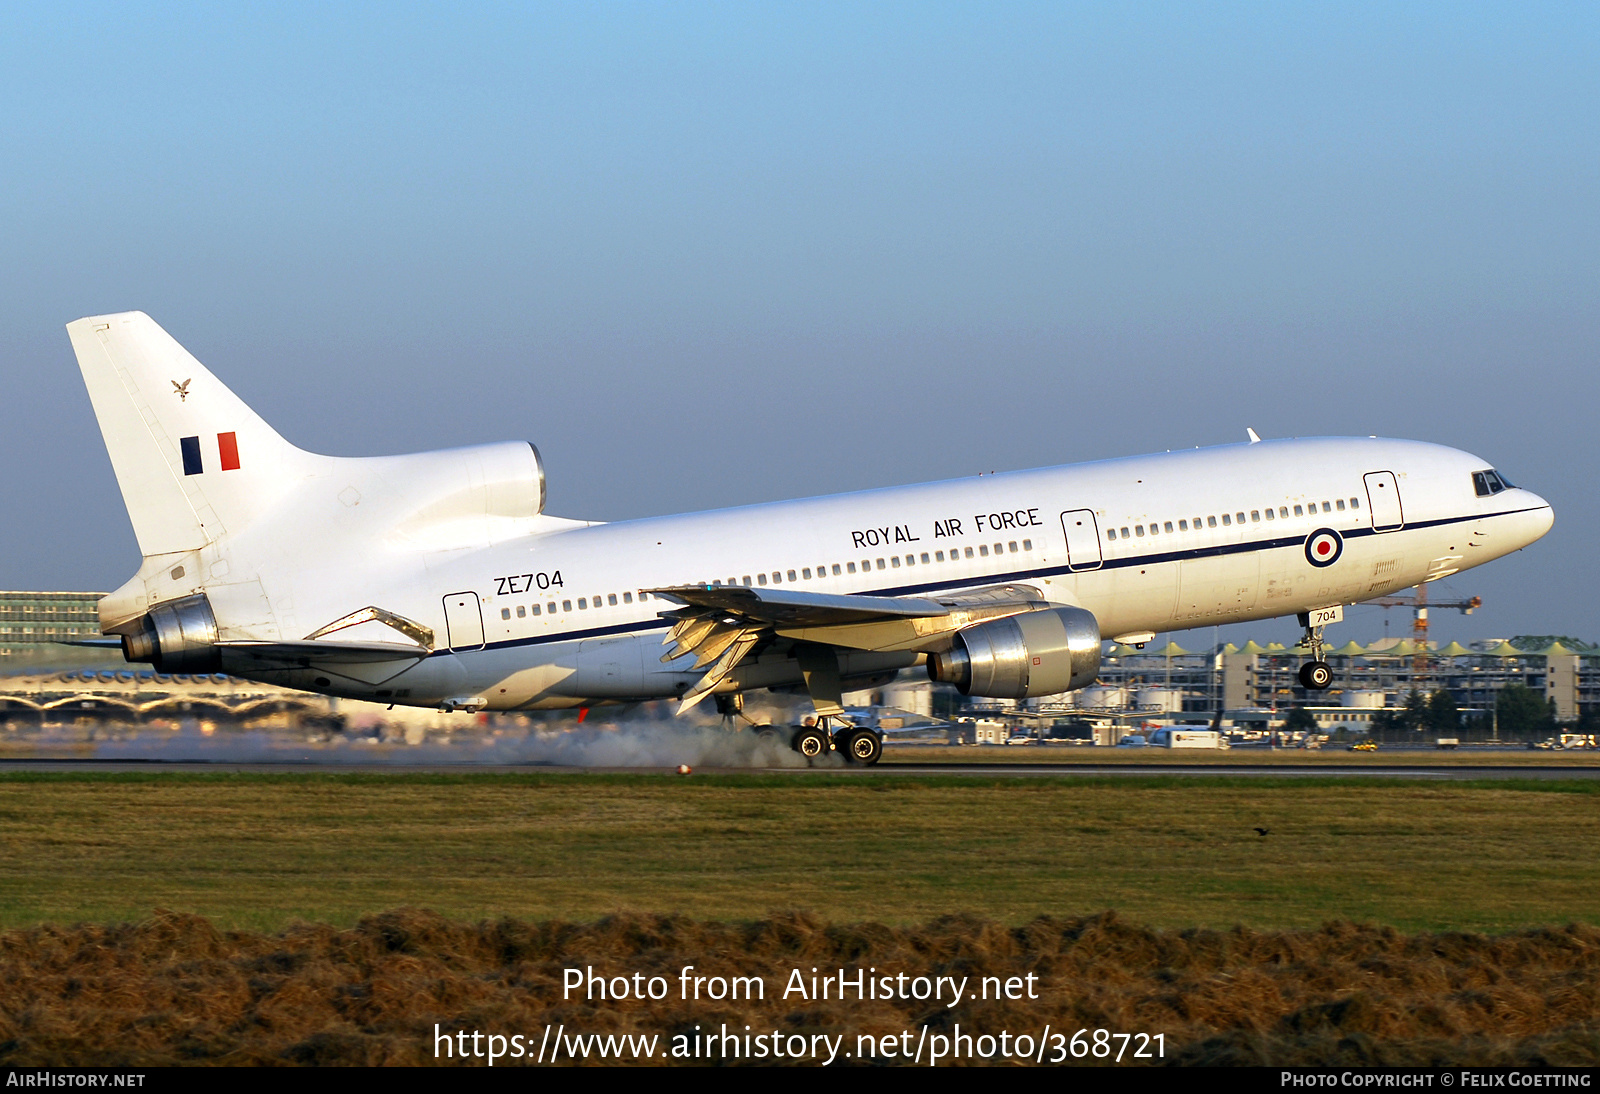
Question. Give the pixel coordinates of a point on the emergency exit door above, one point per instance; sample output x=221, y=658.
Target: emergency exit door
x=1083, y=539
x=463, y=621
x=1383, y=501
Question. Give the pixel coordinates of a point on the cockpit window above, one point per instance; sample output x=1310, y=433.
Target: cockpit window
x=1488, y=482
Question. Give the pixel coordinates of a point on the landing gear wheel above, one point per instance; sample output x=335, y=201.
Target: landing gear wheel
x=1315, y=676
x=810, y=742
x=768, y=735
x=862, y=746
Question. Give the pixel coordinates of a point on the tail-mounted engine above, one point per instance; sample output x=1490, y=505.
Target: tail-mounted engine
x=1022, y=656
x=178, y=636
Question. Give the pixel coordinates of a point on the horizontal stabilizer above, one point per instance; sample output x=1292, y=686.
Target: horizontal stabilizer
x=306, y=654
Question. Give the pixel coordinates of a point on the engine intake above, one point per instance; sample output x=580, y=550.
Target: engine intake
x=178, y=636
x=1022, y=656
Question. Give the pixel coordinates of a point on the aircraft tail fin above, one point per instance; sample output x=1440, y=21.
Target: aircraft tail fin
x=228, y=513
x=192, y=460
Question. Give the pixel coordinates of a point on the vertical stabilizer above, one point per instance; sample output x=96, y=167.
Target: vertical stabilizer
x=193, y=461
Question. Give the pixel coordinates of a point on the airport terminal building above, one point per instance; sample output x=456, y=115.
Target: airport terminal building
x=32, y=624
x=1375, y=677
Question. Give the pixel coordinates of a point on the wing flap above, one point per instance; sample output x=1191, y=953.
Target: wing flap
x=715, y=618
x=719, y=625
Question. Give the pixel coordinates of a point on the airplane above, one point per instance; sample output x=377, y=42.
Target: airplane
x=437, y=579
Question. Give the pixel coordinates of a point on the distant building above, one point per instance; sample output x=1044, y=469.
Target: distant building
x=32, y=623
x=1366, y=679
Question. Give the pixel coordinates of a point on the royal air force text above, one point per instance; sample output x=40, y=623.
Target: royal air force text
x=949, y=528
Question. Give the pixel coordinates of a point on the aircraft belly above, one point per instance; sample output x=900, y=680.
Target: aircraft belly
x=610, y=667
x=781, y=672
x=565, y=674
x=1218, y=589
x=522, y=677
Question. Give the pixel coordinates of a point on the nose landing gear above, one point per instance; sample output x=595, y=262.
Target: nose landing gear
x=1315, y=675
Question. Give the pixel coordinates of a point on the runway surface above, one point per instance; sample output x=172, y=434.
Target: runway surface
x=1442, y=772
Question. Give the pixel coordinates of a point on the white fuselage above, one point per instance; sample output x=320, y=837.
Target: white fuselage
x=1147, y=544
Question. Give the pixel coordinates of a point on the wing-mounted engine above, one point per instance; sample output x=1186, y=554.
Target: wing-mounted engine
x=1022, y=656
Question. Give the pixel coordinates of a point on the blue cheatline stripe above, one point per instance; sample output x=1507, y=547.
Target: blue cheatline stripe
x=191, y=455
x=645, y=625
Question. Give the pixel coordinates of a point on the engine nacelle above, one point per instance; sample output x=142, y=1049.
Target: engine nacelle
x=1022, y=656
x=178, y=636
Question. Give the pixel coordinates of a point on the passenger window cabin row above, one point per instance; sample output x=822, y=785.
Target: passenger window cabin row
x=778, y=577
x=1227, y=520
x=893, y=562
x=525, y=610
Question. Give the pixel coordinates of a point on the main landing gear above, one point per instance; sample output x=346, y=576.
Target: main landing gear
x=857, y=744
x=1315, y=675
x=811, y=742
x=860, y=746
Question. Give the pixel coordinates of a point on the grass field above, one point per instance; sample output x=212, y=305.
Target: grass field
x=260, y=851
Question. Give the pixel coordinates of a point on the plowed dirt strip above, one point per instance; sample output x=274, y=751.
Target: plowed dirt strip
x=173, y=989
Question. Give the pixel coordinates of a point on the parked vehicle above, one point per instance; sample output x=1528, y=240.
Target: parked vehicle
x=1182, y=737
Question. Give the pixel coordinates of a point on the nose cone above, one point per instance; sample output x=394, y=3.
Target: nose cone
x=1536, y=519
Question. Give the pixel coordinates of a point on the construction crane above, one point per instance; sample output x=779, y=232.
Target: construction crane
x=1419, y=626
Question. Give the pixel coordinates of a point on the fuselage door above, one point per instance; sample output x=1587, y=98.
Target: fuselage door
x=1083, y=539
x=463, y=620
x=1383, y=501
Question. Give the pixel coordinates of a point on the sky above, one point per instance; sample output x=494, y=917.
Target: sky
x=711, y=254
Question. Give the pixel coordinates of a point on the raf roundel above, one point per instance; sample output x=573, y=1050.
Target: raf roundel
x=1323, y=547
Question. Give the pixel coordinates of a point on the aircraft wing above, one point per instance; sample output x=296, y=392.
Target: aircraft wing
x=720, y=624
x=790, y=607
